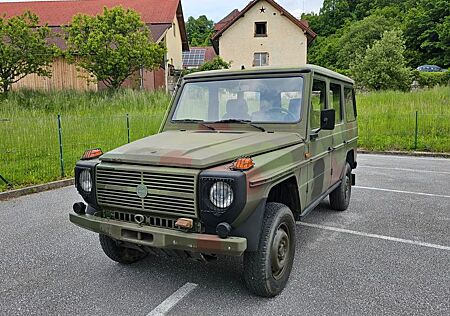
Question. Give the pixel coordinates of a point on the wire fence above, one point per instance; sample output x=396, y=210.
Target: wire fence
x=41, y=149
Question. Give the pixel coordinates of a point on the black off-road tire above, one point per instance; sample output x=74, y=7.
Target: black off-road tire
x=118, y=253
x=340, y=197
x=262, y=273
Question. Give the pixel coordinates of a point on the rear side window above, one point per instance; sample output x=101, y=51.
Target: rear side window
x=350, y=107
x=318, y=98
x=336, y=101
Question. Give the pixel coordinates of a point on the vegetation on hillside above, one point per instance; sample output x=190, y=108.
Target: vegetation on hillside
x=199, y=30
x=347, y=29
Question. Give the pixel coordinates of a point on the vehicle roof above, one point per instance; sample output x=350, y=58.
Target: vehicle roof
x=270, y=70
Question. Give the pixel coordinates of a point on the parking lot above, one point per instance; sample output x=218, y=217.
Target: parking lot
x=389, y=253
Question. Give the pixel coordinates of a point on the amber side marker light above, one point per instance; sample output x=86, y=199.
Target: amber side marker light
x=243, y=163
x=185, y=223
x=92, y=153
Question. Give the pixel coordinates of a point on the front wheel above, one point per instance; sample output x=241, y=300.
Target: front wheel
x=118, y=253
x=267, y=270
x=340, y=197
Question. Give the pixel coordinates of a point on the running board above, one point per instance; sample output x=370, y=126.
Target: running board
x=316, y=202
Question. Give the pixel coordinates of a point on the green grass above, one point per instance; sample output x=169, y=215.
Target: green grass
x=29, y=150
x=387, y=120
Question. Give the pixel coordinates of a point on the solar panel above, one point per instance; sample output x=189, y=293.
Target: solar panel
x=194, y=58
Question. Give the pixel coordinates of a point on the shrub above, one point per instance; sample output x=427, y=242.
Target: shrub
x=432, y=79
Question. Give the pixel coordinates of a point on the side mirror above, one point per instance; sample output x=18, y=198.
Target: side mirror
x=327, y=119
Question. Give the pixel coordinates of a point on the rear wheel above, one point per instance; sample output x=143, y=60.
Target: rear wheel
x=118, y=253
x=340, y=197
x=267, y=270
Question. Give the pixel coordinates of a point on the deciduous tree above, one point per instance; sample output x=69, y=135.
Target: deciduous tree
x=112, y=46
x=199, y=30
x=24, y=49
x=383, y=67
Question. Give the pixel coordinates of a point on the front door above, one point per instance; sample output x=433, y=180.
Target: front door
x=320, y=143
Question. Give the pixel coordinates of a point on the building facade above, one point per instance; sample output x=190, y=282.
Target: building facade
x=262, y=34
x=163, y=18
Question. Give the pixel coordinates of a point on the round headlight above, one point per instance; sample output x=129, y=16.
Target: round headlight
x=85, y=181
x=221, y=194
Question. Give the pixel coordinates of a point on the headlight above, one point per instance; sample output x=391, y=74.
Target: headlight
x=85, y=181
x=221, y=194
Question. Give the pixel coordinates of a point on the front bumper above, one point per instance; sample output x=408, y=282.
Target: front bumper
x=161, y=237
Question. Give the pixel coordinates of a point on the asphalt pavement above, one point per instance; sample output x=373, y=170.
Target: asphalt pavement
x=388, y=254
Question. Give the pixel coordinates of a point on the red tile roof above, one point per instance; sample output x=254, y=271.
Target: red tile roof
x=57, y=13
x=222, y=23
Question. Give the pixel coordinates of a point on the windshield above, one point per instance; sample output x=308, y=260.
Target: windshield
x=265, y=100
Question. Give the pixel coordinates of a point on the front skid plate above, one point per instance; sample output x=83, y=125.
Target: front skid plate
x=160, y=237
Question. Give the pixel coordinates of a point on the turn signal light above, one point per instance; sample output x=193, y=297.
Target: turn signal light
x=92, y=153
x=244, y=163
x=185, y=223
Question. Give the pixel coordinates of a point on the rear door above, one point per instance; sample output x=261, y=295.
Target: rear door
x=338, y=153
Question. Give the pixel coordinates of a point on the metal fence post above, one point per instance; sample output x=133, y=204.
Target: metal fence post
x=416, y=135
x=61, y=157
x=128, y=128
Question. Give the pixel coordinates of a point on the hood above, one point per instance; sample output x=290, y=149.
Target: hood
x=198, y=149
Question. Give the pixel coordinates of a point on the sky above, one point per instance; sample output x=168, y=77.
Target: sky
x=217, y=9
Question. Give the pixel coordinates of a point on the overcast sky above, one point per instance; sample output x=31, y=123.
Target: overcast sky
x=217, y=9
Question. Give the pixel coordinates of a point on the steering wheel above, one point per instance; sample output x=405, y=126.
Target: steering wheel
x=289, y=115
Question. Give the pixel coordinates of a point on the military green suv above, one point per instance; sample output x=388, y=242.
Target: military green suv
x=240, y=156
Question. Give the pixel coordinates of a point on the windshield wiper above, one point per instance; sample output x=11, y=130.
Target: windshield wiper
x=201, y=122
x=248, y=122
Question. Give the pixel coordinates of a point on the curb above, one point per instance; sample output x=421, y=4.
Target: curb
x=406, y=153
x=36, y=189
x=67, y=182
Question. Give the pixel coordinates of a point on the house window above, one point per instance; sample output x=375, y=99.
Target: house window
x=260, y=29
x=261, y=59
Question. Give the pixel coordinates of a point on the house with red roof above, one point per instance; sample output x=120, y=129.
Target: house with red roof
x=163, y=18
x=262, y=34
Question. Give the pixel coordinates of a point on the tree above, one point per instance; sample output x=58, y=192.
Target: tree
x=423, y=27
x=215, y=64
x=199, y=30
x=24, y=49
x=112, y=46
x=383, y=67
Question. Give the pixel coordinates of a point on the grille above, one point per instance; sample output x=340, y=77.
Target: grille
x=149, y=220
x=170, y=194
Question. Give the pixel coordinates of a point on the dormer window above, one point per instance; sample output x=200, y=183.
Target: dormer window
x=260, y=29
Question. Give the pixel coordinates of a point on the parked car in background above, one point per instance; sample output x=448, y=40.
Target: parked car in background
x=430, y=68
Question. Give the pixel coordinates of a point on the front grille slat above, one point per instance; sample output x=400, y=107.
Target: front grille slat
x=170, y=194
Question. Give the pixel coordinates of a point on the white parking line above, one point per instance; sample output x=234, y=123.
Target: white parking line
x=404, y=157
x=172, y=300
x=404, y=169
x=353, y=232
x=399, y=191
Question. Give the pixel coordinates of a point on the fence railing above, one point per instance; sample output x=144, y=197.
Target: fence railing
x=41, y=149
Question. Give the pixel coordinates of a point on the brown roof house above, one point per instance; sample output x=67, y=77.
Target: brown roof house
x=164, y=19
x=262, y=34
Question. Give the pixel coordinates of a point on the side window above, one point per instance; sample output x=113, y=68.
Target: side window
x=336, y=101
x=260, y=59
x=318, y=98
x=350, y=108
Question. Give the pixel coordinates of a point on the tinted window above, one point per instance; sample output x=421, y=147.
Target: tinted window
x=336, y=101
x=350, y=109
x=318, y=98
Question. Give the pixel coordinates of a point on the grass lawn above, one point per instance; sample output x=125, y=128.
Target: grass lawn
x=29, y=149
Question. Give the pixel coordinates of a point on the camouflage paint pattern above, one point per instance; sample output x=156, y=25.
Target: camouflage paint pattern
x=283, y=152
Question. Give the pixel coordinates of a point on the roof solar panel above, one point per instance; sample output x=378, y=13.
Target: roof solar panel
x=194, y=58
